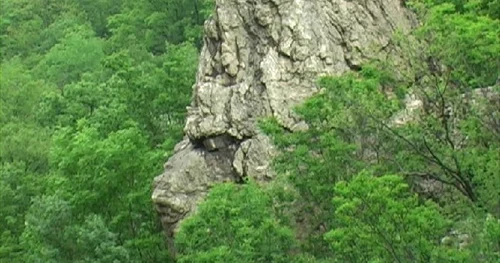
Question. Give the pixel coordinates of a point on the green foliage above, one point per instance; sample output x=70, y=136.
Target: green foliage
x=24, y=22
x=45, y=231
x=26, y=143
x=63, y=64
x=149, y=24
x=482, y=7
x=153, y=93
x=460, y=127
x=467, y=44
x=97, y=13
x=93, y=97
x=354, y=110
x=21, y=139
x=17, y=21
x=474, y=240
x=99, y=168
x=17, y=186
x=97, y=243
x=488, y=249
x=51, y=236
x=356, y=122
x=341, y=117
x=378, y=220
x=234, y=224
x=19, y=91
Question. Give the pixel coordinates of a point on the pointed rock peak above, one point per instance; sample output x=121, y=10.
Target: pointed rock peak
x=261, y=58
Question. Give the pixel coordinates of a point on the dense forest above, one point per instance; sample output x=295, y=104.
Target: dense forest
x=93, y=95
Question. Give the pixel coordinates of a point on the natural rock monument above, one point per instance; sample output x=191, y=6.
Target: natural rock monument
x=260, y=58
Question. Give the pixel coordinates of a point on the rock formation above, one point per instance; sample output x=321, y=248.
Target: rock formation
x=260, y=58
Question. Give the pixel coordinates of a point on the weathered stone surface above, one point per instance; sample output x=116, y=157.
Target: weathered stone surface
x=253, y=156
x=260, y=58
x=193, y=170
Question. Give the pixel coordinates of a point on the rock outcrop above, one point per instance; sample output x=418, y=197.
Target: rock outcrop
x=260, y=58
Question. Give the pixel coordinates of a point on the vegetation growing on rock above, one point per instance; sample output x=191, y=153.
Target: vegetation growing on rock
x=93, y=100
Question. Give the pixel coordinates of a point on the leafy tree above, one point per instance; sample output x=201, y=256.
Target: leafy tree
x=487, y=244
x=234, y=224
x=25, y=143
x=155, y=92
x=377, y=219
x=16, y=23
x=19, y=91
x=44, y=236
x=150, y=24
x=115, y=167
x=23, y=23
x=98, y=12
x=17, y=186
x=106, y=121
x=340, y=138
x=77, y=130
x=52, y=236
x=361, y=113
x=458, y=125
x=64, y=64
x=465, y=44
x=21, y=139
x=488, y=7
x=97, y=244
x=66, y=24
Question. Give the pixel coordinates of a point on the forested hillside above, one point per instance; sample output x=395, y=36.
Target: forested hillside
x=93, y=95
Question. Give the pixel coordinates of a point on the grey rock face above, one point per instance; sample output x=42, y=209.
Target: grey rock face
x=261, y=58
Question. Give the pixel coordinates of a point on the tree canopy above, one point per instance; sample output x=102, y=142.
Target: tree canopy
x=82, y=136
x=93, y=97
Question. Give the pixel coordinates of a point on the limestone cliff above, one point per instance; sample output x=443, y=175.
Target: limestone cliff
x=260, y=58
